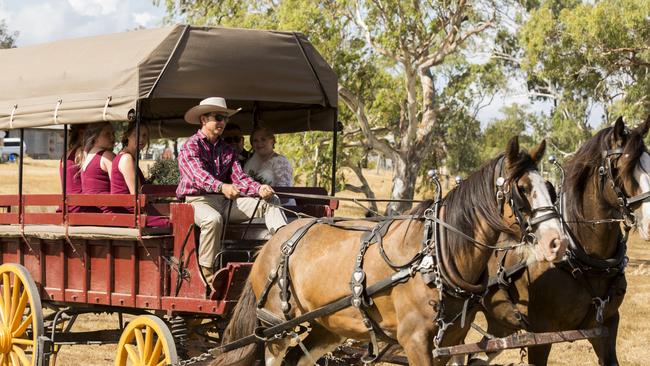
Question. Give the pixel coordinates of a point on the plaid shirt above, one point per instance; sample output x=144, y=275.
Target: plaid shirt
x=204, y=165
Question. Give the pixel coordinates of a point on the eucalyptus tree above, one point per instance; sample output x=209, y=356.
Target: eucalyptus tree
x=397, y=62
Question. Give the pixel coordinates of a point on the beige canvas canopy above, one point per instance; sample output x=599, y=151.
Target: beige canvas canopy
x=277, y=78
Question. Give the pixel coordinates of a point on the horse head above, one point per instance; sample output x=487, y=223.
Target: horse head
x=629, y=171
x=533, y=215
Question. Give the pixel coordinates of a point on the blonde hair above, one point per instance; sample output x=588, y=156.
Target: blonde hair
x=265, y=132
x=92, y=131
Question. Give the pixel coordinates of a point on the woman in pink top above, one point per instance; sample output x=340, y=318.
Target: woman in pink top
x=123, y=170
x=74, y=155
x=96, y=166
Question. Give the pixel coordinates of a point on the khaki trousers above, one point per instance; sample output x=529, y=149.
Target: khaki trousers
x=210, y=212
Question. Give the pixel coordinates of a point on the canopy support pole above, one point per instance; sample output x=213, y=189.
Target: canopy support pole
x=335, y=129
x=20, y=177
x=138, y=117
x=64, y=176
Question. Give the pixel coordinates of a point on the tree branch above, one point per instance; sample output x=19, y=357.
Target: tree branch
x=357, y=107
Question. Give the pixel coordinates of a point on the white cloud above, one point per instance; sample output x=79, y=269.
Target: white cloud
x=94, y=7
x=143, y=19
x=37, y=21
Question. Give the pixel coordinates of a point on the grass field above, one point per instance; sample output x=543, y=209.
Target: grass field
x=634, y=333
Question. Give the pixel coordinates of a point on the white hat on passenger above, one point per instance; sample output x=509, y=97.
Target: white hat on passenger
x=208, y=105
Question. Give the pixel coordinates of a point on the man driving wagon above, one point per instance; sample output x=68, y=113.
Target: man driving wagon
x=208, y=165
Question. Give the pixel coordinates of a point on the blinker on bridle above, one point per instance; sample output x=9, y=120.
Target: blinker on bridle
x=624, y=202
x=519, y=205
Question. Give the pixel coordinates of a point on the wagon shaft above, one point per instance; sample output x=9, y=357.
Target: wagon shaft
x=521, y=340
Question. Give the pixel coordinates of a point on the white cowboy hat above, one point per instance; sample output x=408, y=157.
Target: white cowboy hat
x=207, y=105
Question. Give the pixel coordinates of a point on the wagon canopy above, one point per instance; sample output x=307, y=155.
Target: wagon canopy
x=277, y=78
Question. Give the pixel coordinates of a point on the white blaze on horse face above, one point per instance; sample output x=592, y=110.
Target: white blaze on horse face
x=551, y=240
x=642, y=175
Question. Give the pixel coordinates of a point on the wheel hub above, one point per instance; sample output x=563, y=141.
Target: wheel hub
x=5, y=339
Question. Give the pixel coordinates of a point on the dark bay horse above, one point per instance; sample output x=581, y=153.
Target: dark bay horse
x=588, y=288
x=323, y=261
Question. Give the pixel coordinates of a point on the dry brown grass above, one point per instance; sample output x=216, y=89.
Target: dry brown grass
x=634, y=333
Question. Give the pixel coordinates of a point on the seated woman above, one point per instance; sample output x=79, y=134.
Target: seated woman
x=266, y=165
x=97, y=162
x=123, y=170
x=74, y=155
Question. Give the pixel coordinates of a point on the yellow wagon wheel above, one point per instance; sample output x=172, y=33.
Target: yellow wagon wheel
x=146, y=341
x=21, y=317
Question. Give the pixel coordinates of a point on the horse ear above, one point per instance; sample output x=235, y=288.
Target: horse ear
x=619, y=128
x=538, y=151
x=512, y=151
x=643, y=128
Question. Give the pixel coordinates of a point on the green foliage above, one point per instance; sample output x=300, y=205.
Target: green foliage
x=7, y=38
x=164, y=172
x=581, y=53
x=515, y=122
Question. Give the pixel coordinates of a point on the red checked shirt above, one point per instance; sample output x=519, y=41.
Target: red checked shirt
x=204, y=165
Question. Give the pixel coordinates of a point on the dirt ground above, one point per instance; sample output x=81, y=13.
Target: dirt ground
x=634, y=333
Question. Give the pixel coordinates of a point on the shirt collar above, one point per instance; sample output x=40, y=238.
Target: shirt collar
x=205, y=138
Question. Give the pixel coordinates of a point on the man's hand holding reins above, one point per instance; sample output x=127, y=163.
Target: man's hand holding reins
x=265, y=191
x=230, y=191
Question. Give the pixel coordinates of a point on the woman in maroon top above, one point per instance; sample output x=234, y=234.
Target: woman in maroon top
x=96, y=167
x=123, y=170
x=74, y=155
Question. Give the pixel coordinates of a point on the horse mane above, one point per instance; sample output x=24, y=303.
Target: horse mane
x=587, y=160
x=473, y=201
x=420, y=208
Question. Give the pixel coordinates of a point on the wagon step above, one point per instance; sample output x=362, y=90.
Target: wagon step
x=520, y=340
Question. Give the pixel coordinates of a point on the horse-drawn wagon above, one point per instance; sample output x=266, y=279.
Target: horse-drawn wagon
x=58, y=265
x=412, y=279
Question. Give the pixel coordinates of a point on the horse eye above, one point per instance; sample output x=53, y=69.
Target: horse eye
x=522, y=190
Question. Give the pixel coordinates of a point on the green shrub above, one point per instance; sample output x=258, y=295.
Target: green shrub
x=164, y=172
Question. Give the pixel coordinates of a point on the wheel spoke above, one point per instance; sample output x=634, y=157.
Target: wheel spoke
x=23, y=327
x=148, y=343
x=155, y=354
x=162, y=363
x=15, y=295
x=22, y=341
x=6, y=287
x=15, y=361
x=139, y=342
x=133, y=354
x=20, y=309
x=21, y=355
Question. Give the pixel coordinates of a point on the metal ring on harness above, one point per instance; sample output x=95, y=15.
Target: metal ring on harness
x=258, y=332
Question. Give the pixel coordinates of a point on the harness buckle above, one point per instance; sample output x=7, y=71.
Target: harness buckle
x=575, y=272
x=600, y=307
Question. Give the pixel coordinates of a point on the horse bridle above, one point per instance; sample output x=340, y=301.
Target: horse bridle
x=519, y=205
x=624, y=201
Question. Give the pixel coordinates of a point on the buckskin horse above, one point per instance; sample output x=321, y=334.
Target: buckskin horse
x=310, y=264
x=598, y=195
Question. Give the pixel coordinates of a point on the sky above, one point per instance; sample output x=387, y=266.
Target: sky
x=45, y=21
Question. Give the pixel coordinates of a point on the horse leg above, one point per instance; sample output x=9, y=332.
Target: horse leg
x=605, y=347
x=274, y=351
x=318, y=342
x=418, y=346
x=538, y=355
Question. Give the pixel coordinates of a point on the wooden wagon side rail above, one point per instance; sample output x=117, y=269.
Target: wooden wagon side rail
x=14, y=205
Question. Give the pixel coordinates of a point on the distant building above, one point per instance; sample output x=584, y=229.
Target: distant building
x=41, y=143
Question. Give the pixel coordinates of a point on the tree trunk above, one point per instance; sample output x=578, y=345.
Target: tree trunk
x=405, y=174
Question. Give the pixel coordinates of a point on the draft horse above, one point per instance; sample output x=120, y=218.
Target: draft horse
x=312, y=263
x=587, y=288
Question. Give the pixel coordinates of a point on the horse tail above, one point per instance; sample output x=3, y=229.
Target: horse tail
x=242, y=324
